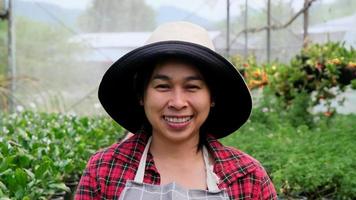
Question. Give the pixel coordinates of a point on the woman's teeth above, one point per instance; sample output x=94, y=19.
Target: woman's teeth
x=177, y=119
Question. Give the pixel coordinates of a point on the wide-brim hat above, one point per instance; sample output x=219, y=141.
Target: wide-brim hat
x=191, y=42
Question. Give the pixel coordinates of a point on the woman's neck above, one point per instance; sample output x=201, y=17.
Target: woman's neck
x=170, y=150
x=179, y=162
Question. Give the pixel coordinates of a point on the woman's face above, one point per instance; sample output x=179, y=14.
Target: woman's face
x=176, y=101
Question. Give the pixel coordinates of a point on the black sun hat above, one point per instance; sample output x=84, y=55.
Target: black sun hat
x=191, y=42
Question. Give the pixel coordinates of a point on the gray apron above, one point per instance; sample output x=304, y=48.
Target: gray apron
x=138, y=190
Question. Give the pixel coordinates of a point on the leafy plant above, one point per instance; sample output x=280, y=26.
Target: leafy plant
x=324, y=67
x=41, y=153
x=321, y=72
x=303, y=162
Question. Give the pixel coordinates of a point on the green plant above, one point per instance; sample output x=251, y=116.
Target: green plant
x=325, y=67
x=315, y=163
x=272, y=110
x=40, y=153
x=317, y=75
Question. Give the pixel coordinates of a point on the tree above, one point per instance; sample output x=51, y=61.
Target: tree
x=118, y=15
x=44, y=61
x=327, y=11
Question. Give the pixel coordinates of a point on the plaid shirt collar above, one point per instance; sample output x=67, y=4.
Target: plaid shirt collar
x=229, y=163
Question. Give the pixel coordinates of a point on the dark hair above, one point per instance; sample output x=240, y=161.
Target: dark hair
x=141, y=80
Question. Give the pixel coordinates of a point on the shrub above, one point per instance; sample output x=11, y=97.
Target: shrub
x=320, y=71
x=41, y=152
x=307, y=162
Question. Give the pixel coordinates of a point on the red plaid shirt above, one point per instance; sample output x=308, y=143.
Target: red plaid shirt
x=108, y=170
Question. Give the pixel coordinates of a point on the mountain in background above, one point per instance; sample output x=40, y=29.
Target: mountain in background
x=47, y=13
x=55, y=15
x=170, y=13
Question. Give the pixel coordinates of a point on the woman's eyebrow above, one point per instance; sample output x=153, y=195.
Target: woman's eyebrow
x=160, y=76
x=165, y=77
x=194, y=78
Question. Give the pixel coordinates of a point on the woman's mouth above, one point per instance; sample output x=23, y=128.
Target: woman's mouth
x=175, y=119
x=178, y=122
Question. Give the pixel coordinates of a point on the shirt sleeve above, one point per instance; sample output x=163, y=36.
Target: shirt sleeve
x=88, y=187
x=265, y=189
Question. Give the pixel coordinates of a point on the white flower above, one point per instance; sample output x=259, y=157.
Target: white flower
x=72, y=113
x=97, y=105
x=265, y=109
x=19, y=108
x=32, y=105
x=5, y=130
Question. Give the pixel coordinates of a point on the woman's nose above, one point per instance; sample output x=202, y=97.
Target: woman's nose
x=178, y=100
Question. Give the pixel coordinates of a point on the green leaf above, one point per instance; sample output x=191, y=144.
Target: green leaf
x=23, y=134
x=40, y=170
x=21, y=177
x=6, y=172
x=24, y=160
x=19, y=193
x=59, y=186
x=29, y=173
x=2, y=186
x=353, y=84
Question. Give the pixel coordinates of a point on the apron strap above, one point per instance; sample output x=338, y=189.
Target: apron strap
x=211, y=177
x=141, y=167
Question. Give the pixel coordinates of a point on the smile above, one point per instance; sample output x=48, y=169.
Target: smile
x=174, y=119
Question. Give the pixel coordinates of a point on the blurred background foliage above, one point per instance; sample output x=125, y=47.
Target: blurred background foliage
x=307, y=156
x=62, y=53
x=43, y=155
x=118, y=16
x=322, y=72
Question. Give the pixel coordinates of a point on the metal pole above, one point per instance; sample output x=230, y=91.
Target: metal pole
x=227, y=27
x=11, y=70
x=268, y=31
x=246, y=34
x=305, y=25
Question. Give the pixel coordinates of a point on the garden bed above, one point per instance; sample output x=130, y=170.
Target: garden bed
x=39, y=152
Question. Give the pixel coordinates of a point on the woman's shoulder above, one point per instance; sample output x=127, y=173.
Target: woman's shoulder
x=232, y=155
x=245, y=161
x=225, y=153
x=240, y=156
x=242, y=170
x=127, y=151
x=233, y=160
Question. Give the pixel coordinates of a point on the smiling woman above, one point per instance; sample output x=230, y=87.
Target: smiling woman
x=180, y=97
x=176, y=102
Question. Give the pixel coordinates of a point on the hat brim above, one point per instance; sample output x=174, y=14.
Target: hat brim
x=232, y=97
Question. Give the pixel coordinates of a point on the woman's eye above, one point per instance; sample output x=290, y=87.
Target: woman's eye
x=193, y=87
x=162, y=86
